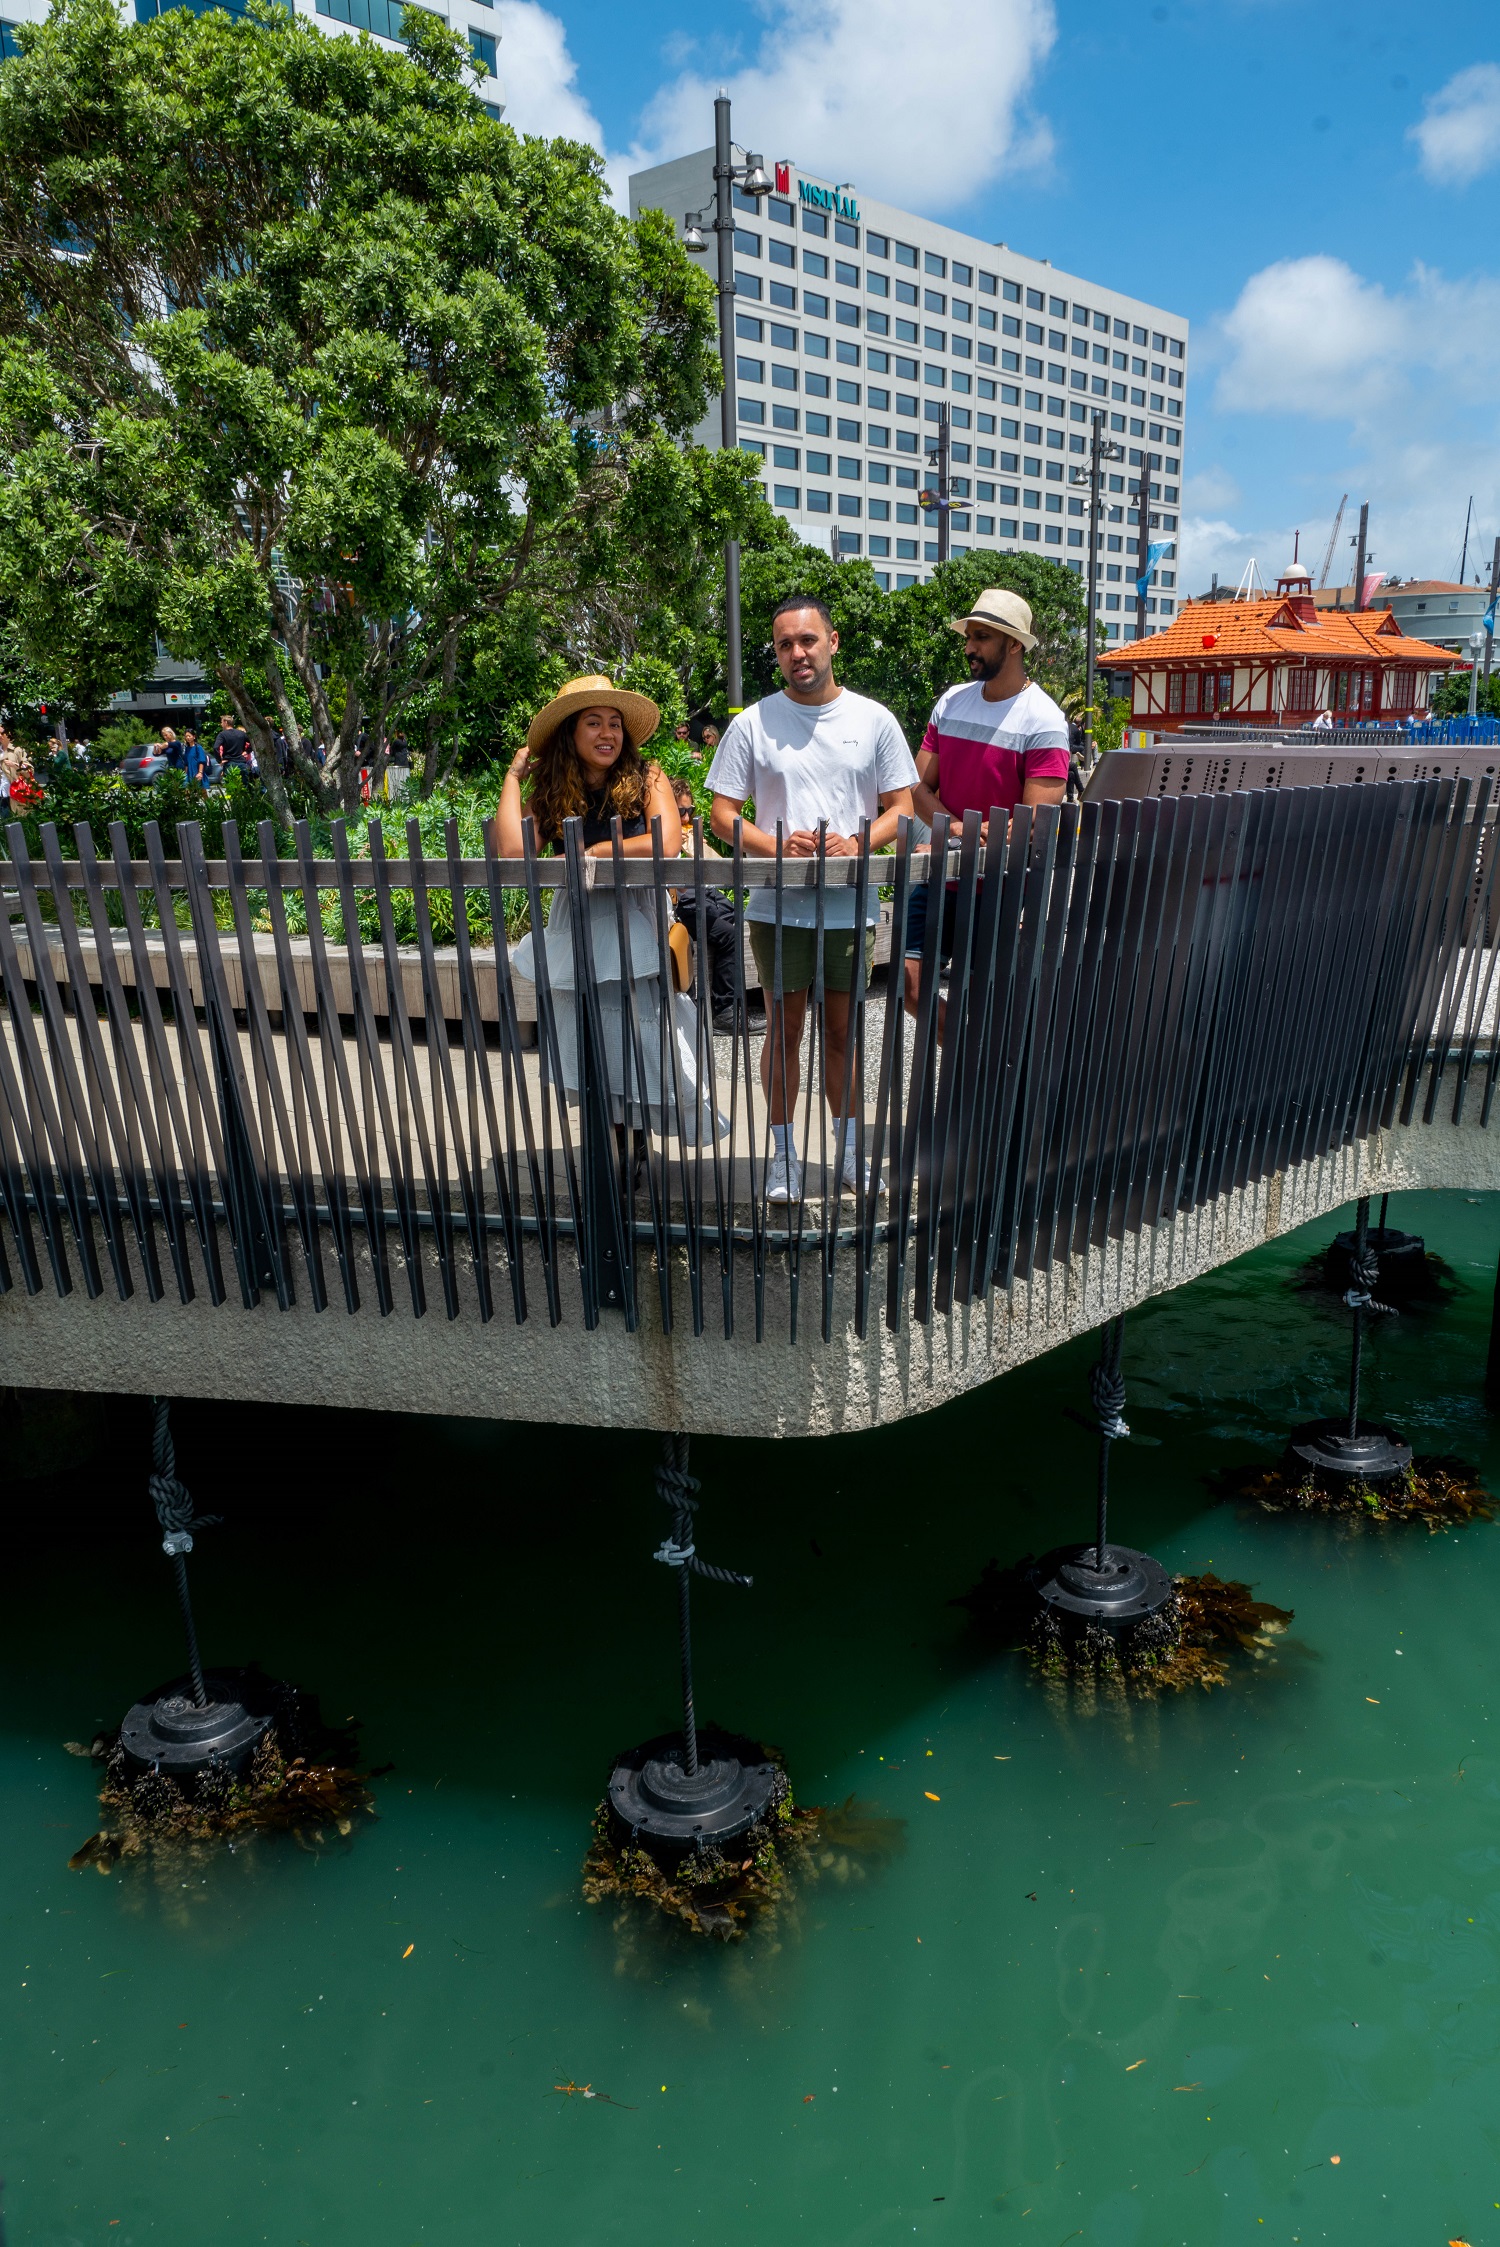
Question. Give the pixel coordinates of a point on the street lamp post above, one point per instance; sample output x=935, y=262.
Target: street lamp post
x=1101, y=449
x=1489, y=614
x=1143, y=543
x=1476, y=653
x=752, y=176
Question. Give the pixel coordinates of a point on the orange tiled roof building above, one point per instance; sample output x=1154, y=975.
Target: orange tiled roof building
x=1277, y=662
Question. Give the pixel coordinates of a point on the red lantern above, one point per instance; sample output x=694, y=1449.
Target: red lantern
x=1210, y=639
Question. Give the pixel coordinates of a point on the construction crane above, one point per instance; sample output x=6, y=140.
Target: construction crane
x=1333, y=539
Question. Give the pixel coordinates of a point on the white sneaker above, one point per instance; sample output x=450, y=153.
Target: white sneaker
x=849, y=1183
x=785, y=1178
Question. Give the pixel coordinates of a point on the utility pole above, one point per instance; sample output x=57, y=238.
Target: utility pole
x=940, y=497
x=1143, y=546
x=751, y=174
x=1489, y=621
x=1360, y=542
x=1100, y=450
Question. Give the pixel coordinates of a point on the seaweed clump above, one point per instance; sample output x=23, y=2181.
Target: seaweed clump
x=1189, y=1641
x=1441, y=1492
x=723, y=1891
x=301, y=1781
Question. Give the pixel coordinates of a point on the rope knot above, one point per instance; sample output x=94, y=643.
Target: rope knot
x=1364, y=1272
x=673, y=1554
x=674, y=1485
x=1107, y=1395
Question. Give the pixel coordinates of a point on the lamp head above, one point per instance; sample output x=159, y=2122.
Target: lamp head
x=692, y=231
x=755, y=181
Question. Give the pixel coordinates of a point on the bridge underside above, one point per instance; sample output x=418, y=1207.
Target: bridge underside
x=703, y=1383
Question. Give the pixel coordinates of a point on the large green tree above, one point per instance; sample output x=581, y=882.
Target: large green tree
x=337, y=385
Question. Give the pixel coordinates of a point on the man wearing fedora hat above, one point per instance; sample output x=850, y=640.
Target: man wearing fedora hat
x=994, y=743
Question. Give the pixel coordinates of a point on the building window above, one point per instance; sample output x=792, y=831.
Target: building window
x=752, y=409
x=879, y=545
x=383, y=17
x=781, y=253
x=748, y=284
x=1054, y=534
x=782, y=378
x=786, y=456
x=848, y=469
x=934, y=264
x=748, y=330
x=813, y=222
x=816, y=385
x=814, y=262
x=786, y=496
x=483, y=45
x=848, y=503
x=746, y=245
x=936, y=376
x=817, y=426
x=753, y=445
x=877, y=245
x=816, y=346
x=847, y=276
x=880, y=510
x=783, y=417
x=783, y=297
x=820, y=503
x=1111, y=600
x=878, y=434
x=815, y=306
x=845, y=233
x=1174, y=694
x=781, y=213
x=905, y=254
x=1031, y=530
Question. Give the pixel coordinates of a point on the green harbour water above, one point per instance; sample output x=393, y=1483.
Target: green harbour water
x=1136, y=1978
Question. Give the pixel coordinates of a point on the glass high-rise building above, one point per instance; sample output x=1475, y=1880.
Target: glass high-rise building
x=855, y=322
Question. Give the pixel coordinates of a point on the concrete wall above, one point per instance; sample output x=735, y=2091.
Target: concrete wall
x=706, y=1385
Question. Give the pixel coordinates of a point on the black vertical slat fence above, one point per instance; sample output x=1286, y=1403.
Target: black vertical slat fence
x=1149, y=1004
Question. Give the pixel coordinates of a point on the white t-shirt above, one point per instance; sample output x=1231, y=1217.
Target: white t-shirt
x=801, y=762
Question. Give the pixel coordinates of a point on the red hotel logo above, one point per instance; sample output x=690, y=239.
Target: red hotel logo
x=783, y=179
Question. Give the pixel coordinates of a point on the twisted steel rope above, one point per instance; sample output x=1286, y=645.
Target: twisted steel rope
x=675, y=1486
x=174, y=1511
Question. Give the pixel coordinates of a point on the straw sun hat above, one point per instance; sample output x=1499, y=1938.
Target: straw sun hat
x=639, y=713
x=1002, y=612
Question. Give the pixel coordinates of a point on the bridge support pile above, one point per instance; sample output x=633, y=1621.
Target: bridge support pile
x=694, y=1821
x=220, y=1750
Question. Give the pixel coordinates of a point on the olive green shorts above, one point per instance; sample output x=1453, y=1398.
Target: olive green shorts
x=799, y=956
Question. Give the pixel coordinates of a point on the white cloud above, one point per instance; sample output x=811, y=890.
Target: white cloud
x=1460, y=135
x=539, y=76
x=925, y=112
x=1310, y=336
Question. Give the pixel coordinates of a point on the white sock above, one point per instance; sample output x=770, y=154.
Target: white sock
x=783, y=1141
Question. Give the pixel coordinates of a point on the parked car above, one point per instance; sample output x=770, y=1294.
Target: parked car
x=142, y=766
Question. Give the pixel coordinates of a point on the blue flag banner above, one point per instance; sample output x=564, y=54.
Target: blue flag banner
x=1488, y=620
x=1154, y=553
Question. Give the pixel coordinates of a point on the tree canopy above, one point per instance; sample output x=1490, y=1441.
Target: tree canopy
x=339, y=387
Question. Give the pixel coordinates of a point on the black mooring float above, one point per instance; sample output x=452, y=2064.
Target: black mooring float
x=1111, y=1586
x=689, y=1790
x=209, y=1716
x=1351, y=1449
x=1402, y=1258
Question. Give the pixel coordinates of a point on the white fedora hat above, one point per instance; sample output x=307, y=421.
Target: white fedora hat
x=1006, y=612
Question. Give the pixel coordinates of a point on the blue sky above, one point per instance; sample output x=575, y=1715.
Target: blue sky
x=1316, y=187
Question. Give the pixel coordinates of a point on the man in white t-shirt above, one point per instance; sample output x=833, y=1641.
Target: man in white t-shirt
x=814, y=752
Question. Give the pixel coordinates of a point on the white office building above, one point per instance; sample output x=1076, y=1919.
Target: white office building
x=475, y=19
x=855, y=322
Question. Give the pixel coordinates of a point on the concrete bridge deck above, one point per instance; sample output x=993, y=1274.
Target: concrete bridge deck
x=1173, y=1030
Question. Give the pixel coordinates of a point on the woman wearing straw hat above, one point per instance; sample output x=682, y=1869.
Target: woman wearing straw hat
x=582, y=760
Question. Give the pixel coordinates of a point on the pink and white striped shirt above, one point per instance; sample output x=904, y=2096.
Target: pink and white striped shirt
x=987, y=751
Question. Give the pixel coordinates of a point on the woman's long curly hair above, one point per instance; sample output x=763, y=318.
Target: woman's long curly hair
x=555, y=790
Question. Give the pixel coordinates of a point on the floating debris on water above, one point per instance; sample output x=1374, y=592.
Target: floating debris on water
x=301, y=1780
x=1190, y=1641
x=1439, y=1491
